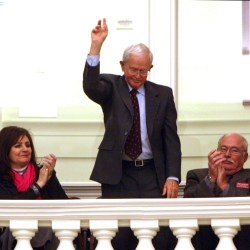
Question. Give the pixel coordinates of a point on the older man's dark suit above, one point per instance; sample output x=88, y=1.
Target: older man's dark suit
x=197, y=186
x=112, y=93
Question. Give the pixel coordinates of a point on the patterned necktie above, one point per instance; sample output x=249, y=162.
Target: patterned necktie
x=133, y=146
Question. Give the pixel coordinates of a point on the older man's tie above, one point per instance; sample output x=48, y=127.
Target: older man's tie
x=133, y=145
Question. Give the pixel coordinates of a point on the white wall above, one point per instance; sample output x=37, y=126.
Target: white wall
x=44, y=44
x=213, y=73
x=213, y=77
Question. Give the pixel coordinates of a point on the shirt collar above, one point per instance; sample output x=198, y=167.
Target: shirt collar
x=141, y=90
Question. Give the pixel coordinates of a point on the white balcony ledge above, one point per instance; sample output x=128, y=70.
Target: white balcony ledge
x=104, y=216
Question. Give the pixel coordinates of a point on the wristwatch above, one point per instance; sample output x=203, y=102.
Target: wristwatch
x=211, y=179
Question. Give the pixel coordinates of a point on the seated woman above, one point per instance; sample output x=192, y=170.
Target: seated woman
x=22, y=178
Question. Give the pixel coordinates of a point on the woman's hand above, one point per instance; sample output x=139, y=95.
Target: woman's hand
x=46, y=171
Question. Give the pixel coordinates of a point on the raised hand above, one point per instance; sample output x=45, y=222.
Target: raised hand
x=49, y=162
x=222, y=181
x=98, y=36
x=214, y=160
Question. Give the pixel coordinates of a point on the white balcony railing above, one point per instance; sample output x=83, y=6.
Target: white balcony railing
x=144, y=216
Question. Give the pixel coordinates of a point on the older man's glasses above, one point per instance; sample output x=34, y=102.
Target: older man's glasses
x=232, y=151
x=133, y=71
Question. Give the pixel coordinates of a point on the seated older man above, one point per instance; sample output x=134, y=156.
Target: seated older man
x=224, y=177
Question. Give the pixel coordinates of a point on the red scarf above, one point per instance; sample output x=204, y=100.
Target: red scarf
x=23, y=182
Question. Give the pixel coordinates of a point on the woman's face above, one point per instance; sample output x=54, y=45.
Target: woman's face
x=20, y=153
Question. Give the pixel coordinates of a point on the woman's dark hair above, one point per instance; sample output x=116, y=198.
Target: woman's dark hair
x=9, y=136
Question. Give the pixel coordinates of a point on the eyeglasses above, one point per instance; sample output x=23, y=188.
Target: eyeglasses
x=133, y=71
x=233, y=150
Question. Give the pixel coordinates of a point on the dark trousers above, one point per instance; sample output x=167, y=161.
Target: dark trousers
x=138, y=182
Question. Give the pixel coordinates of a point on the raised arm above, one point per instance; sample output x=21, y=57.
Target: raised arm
x=98, y=36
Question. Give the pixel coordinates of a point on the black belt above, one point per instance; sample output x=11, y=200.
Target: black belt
x=137, y=163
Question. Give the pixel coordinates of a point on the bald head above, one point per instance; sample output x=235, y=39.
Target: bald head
x=236, y=138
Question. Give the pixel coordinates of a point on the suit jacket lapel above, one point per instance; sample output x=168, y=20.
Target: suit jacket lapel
x=125, y=96
x=152, y=103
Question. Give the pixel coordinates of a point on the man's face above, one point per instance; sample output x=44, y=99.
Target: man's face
x=136, y=69
x=232, y=149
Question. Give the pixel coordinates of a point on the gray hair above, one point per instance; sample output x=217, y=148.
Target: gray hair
x=244, y=140
x=137, y=49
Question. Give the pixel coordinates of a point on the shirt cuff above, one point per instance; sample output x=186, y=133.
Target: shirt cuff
x=93, y=60
x=173, y=178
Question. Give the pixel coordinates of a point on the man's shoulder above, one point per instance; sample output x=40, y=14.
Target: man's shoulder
x=161, y=90
x=157, y=85
x=244, y=171
x=198, y=171
x=112, y=79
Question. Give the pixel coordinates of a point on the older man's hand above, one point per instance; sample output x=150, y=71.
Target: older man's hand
x=171, y=189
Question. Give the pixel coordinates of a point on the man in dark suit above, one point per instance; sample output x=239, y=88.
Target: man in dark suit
x=155, y=171
x=224, y=177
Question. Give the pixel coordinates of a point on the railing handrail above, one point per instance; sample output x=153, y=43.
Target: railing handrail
x=163, y=209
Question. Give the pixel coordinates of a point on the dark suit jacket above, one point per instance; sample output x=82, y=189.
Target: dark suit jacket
x=197, y=185
x=112, y=93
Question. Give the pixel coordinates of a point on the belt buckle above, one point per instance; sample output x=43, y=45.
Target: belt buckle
x=139, y=163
